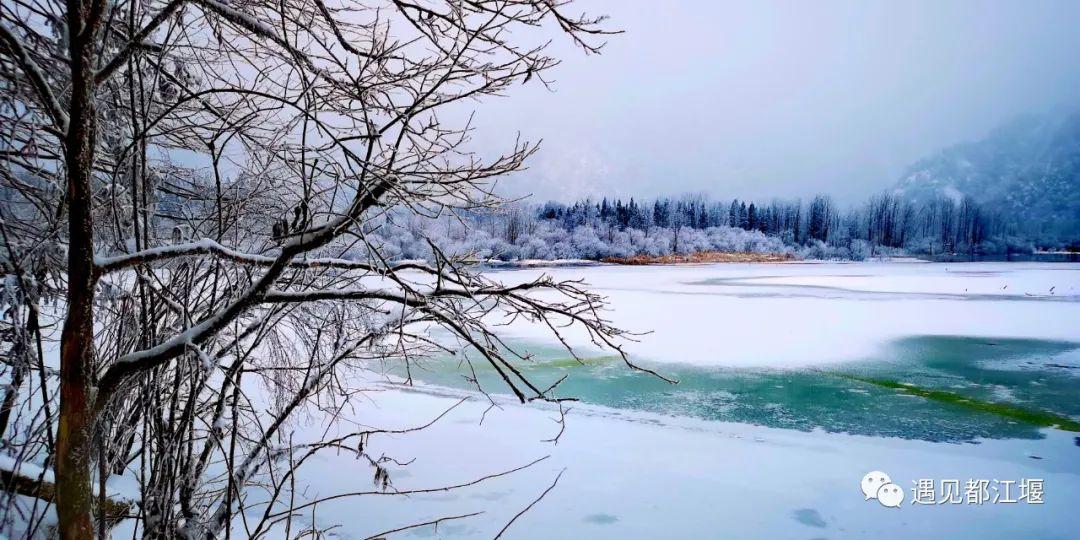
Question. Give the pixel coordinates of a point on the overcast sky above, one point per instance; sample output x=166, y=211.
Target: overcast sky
x=783, y=99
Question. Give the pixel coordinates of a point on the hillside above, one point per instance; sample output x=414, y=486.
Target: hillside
x=1027, y=172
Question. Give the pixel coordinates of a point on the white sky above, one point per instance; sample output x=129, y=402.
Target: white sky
x=770, y=99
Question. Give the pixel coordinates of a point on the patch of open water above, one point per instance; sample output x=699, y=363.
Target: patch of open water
x=934, y=388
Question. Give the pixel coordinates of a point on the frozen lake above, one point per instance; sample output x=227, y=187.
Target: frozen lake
x=795, y=381
x=782, y=315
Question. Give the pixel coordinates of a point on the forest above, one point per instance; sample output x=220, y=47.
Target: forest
x=885, y=225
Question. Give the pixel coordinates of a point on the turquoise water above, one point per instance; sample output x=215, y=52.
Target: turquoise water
x=1028, y=375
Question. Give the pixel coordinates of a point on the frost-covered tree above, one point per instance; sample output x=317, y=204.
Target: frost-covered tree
x=194, y=191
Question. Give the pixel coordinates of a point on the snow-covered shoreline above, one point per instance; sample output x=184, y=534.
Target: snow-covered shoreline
x=640, y=475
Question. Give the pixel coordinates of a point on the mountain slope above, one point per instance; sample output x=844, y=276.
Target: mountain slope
x=1027, y=173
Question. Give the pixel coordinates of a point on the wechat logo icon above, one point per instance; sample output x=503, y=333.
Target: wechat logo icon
x=878, y=485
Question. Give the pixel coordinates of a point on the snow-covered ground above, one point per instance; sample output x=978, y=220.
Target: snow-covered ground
x=638, y=475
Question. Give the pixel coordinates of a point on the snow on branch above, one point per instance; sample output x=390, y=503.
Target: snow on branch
x=36, y=76
x=207, y=246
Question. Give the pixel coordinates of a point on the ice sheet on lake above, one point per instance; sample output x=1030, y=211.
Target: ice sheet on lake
x=817, y=314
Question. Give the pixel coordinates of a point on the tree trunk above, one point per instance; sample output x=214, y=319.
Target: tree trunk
x=73, y=493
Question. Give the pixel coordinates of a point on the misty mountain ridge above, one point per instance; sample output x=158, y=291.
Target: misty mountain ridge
x=1026, y=171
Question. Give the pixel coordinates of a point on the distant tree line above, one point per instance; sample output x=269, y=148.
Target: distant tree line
x=886, y=224
x=885, y=220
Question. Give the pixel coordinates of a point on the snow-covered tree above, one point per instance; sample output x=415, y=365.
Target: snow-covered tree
x=197, y=192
